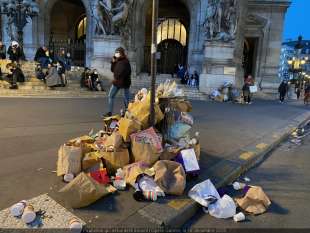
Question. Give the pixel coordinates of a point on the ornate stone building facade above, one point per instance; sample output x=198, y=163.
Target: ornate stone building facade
x=221, y=39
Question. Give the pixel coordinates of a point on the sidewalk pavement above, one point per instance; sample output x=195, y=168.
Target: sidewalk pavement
x=233, y=138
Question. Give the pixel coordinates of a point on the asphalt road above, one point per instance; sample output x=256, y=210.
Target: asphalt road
x=284, y=177
x=33, y=129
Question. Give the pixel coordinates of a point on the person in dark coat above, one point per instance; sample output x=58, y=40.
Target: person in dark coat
x=246, y=90
x=16, y=75
x=121, y=70
x=41, y=57
x=16, y=52
x=283, y=88
x=2, y=51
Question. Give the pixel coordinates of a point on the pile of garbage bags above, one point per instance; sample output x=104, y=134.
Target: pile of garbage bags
x=253, y=200
x=226, y=92
x=154, y=160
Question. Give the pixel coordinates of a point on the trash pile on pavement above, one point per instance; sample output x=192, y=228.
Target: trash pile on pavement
x=127, y=151
x=226, y=92
x=218, y=204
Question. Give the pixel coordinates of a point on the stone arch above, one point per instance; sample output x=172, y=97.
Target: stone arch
x=47, y=7
x=195, y=9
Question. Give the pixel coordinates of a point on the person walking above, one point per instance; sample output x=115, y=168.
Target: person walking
x=283, y=88
x=307, y=94
x=246, y=90
x=121, y=70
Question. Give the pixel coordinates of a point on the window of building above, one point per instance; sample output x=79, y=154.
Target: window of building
x=172, y=29
x=81, y=28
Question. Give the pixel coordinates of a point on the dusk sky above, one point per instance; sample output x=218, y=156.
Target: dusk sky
x=297, y=20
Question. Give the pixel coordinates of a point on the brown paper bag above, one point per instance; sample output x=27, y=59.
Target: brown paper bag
x=144, y=152
x=115, y=160
x=114, y=141
x=83, y=191
x=88, y=147
x=69, y=160
x=132, y=171
x=255, y=201
x=169, y=153
x=80, y=140
x=141, y=112
x=128, y=127
x=181, y=105
x=90, y=160
x=170, y=177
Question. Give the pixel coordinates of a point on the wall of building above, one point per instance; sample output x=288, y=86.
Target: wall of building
x=267, y=17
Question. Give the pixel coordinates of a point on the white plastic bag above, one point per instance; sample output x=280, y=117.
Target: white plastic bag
x=203, y=191
x=147, y=184
x=223, y=208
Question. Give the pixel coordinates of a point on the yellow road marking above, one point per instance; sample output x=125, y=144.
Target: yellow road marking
x=261, y=146
x=178, y=204
x=246, y=155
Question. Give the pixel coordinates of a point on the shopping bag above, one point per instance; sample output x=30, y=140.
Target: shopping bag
x=144, y=152
x=132, y=171
x=178, y=130
x=189, y=161
x=204, y=193
x=253, y=89
x=114, y=142
x=255, y=201
x=169, y=153
x=78, y=141
x=91, y=159
x=101, y=176
x=82, y=191
x=115, y=159
x=224, y=207
x=170, y=177
x=69, y=160
x=141, y=112
x=128, y=127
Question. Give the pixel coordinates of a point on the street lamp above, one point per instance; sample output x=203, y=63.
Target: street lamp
x=17, y=12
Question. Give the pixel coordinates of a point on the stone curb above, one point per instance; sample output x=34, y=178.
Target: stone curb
x=176, y=214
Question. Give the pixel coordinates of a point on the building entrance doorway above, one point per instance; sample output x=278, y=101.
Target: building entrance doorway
x=172, y=36
x=250, y=55
x=68, y=29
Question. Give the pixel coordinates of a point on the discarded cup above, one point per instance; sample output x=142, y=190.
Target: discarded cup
x=75, y=225
x=247, y=179
x=239, y=217
x=238, y=186
x=28, y=215
x=150, y=195
x=68, y=177
x=18, y=208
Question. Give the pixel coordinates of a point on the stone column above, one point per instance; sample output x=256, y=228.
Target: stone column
x=223, y=54
x=104, y=48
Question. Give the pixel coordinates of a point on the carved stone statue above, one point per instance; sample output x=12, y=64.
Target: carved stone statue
x=11, y=28
x=221, y=20
x=111, y=16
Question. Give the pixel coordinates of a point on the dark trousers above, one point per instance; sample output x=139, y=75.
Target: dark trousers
x=282, y=96
x=247, y=98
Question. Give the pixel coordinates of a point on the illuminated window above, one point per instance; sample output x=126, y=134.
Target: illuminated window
x=172, y=29
x=81, y=28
